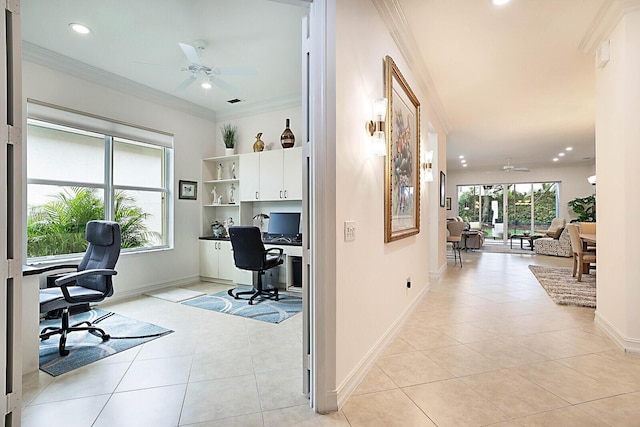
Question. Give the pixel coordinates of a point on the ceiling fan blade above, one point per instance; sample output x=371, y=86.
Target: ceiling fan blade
x=521, y=169
x=186, y=83
x=191, y=53
x=237, y=71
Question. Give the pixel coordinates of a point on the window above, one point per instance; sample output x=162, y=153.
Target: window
x=76, y=175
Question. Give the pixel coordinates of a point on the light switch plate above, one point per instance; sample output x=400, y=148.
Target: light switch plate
x=349, y=231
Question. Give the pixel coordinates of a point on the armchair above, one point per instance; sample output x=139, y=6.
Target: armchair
x=555, y=228
x=90, y=283
x=249, y=253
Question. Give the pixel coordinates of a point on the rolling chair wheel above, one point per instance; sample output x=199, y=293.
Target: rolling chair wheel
x=106, y=337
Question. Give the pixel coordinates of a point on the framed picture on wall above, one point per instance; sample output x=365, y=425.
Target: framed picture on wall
x=448, y=203
x=443, y=189
x=402, y=185
x=187, y=190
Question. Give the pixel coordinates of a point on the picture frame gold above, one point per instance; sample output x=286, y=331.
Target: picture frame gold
x=402, y=183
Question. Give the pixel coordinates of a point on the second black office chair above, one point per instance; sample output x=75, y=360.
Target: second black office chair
x=249, y=253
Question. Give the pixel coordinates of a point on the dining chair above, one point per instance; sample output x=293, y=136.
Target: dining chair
x=580, y=256
x=589, y=228
x=455, y=237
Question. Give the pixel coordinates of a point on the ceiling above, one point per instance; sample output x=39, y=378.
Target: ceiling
x=138, y=40
x=512, y=81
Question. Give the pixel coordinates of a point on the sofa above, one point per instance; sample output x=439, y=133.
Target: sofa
x=560, y=246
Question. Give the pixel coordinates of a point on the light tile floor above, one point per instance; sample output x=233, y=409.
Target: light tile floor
x=486, y=346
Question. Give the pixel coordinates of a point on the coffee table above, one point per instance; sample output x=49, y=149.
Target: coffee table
x=530, y=238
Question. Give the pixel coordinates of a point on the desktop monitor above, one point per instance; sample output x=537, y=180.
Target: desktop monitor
x=285, y=224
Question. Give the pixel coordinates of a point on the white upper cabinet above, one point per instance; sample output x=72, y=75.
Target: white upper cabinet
x=272, y=175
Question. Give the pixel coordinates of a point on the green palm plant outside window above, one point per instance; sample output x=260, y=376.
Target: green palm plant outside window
x=58, y=227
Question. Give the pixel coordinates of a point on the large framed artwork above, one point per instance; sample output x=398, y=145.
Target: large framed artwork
x=402, y=185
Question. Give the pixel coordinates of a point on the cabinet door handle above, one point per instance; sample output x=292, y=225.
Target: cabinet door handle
x=285, y=194
x=256, y=195
x=281, y=194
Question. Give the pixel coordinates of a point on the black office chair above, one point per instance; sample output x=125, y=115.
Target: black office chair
x=249, y=254
x=90, y=283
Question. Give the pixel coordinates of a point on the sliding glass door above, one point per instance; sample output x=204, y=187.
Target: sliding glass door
x=502, y=210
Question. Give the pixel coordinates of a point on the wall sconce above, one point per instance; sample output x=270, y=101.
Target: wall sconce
x=376, y=127
x=592, y=180
x=427, y=166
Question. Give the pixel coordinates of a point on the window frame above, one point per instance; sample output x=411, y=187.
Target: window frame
x=107, y=185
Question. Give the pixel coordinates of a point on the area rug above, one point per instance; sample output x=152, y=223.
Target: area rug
x=85, y=348
x=175, y=294
x=265, y=310
x=506, y=249
x=565, y=289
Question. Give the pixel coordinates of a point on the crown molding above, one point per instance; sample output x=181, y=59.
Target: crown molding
x=67, y=65
x=260, y=107
x=607, y=18
x=394, y=18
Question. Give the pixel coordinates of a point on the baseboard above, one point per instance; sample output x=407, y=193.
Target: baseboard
x=356, y=376
x=629, y=345
x=133, y=293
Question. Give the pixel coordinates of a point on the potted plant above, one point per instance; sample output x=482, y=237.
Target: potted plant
x=229, y=137
x=585, y=208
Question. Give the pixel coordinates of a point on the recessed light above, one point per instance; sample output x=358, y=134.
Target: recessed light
x=79, y=28
x=499, y=2
x=463, y=161
x=461, y=157
x=464, y=165
x=568, y=149
x=555, y=159
x=560, y=154
x=206, y=85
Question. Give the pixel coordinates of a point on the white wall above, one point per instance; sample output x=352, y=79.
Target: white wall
x=572, y=178
x=192, y=140
x=270, y=123
x=617, y=151
x=371, y=293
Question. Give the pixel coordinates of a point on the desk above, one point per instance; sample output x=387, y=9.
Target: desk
x=291, y=251
x=587, y=238
x=32, y=279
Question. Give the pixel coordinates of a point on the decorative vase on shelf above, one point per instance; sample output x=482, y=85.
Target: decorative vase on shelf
x=259, y=144
x=229, y=151
x=287, y=139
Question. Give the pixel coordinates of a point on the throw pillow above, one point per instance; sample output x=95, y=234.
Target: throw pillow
x=558, y=232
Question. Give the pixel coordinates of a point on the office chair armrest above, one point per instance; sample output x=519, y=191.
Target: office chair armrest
x=72, y=277
x=279, y=250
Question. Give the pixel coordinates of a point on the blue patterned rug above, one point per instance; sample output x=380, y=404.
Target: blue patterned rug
x=265, y=310
x=85, y=348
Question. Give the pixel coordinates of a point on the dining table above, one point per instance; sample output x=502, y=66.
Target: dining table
x=587, y=238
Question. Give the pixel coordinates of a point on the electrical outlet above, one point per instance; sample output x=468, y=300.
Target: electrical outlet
x=408, y=282
x=349, y=231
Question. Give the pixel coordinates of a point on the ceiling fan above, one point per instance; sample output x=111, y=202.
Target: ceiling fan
x=510, y=168
x=207, y=74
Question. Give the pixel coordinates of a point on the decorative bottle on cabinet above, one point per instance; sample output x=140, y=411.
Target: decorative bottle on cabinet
x=287, y=139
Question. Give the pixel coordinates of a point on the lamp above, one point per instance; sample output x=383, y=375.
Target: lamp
x=592, y=180
x=376, y=127
x=261, y=217
x=427, y=166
